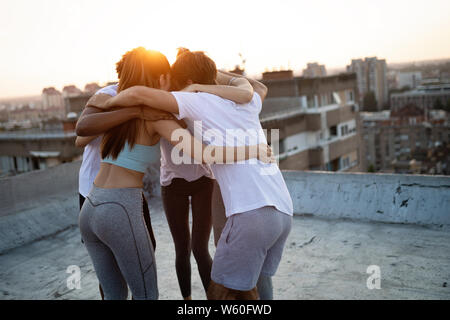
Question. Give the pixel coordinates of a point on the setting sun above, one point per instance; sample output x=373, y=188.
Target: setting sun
x=54, y=43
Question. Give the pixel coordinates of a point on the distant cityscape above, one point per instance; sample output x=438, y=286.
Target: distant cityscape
x=369, y=117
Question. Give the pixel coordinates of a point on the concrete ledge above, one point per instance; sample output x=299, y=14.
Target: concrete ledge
x=41, y=203
x=35, y=189
x=392, y=198
x=31, y=225
x=38, y=204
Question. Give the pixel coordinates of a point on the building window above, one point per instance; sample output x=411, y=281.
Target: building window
x=323, y=99
x=350, y=94
x=331, y=98
x=346, y=162
x=333, y=131
x=312, y=101
x=329, y=166
x=344, y=130
x=281, y=147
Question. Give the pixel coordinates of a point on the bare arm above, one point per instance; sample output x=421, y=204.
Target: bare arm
x=140, y=95
x=81, y=142
x=169, y=129
x=258, y=87
x=94, y=122
x=238, y=90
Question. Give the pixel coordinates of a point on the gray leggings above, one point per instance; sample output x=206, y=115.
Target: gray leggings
x=113, y=228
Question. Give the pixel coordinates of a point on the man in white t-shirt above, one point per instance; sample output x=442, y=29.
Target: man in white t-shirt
x=257, y=202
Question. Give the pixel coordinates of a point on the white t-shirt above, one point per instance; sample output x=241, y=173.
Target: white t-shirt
x=91, y=155
x=247, y=185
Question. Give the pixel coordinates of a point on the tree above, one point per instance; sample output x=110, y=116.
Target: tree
x=370, y=101
x=371, y=168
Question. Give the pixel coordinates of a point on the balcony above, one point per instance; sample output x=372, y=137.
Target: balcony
x=343, y=223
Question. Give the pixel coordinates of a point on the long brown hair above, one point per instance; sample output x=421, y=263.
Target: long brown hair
x=137, y=67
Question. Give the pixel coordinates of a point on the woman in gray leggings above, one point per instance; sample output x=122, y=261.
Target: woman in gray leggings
x=114, y=233
x=111, y=220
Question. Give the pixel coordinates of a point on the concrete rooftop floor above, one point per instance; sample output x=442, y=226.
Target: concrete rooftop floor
x=323, y=259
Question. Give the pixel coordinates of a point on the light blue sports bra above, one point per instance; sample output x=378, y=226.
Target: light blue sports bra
x=136, y=159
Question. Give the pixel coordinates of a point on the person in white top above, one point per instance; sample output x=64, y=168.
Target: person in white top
x=257, y=202
x=90, y=164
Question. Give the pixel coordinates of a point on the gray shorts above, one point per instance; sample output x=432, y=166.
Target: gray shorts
x=251, y=244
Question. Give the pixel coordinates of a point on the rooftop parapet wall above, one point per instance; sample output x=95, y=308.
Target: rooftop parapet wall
x=29, y=190
x=391, y=198
x=41, y=203
x=417, y=199
x=38, y=204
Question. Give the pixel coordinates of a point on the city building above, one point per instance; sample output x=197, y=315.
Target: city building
x=52, y=98
x=371, y=76
x=23, y=151
x=24, y=116
x=408, y=79
x=41, y=137
x=400, y=141
x=92, y=87
x=430, y=95
x=278, y=75
x=70, y=91
x=314, y=70
x=317, y=120
x=75, y=99
x=76, y=103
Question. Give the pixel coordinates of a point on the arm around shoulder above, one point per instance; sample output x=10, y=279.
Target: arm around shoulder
x=141, y=95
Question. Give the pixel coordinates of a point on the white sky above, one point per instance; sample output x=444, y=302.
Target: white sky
x=60, y=42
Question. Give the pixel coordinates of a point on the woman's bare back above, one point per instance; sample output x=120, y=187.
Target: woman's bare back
x=111, y=176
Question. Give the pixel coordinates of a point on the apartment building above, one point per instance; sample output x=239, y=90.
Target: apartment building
x=408, y=79
x=314, y=70
x=394, y=140
x=371, y=76
x=317, y=120
x=425, y=96
x=51, y=98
